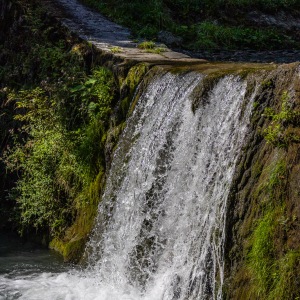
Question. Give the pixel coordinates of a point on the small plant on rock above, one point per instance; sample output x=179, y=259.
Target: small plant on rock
x=151, y=47
x=279, y=132
x=116, y=49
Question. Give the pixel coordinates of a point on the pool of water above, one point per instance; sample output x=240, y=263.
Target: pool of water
x=21, y=261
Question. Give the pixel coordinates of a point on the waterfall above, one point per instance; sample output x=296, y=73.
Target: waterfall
x=160, y=233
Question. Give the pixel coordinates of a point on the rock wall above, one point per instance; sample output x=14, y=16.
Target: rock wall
x=263, y=222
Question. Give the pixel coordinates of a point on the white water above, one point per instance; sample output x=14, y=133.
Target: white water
x=160, y=228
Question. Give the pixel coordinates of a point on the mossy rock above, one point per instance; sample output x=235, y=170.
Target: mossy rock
x=128, y=87
x=71, y=250
x=262, y=246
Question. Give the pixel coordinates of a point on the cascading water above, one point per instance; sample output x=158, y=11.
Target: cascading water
x=160, y=229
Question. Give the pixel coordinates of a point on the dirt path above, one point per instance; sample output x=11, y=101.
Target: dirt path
x=104, y=34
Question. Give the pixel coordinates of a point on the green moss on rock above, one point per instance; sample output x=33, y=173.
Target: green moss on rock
x=263, y=217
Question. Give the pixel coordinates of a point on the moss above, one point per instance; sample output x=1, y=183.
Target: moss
x=71, y=246
x=261, y=256
x=71, y=250
x=257, y=169
x=269, y=229
x=277, y=180
x=273, y=278
x=287, y=277
x=280, y=131
x=128, y=88
x=263, y=228
x=135, y=75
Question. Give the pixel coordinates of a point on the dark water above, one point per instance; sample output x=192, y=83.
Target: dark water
x=22, y=260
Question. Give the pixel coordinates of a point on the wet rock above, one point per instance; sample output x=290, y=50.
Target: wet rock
x=255, y=192
x=280, y=20
x=169, y=39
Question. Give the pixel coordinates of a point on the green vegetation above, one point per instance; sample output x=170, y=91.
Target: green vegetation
x=261, y=255
x=279, y=133
x=147, y=45
x=208, y=24
x=116, y=49
x=274, y=277
x=151, y=47
x=273, y=270
x=285, y=277
x=57, y=160
x=36, y=74
x=63, y=120
x=213, y=36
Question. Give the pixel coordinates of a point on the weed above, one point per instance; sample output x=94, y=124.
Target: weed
x=116, y=49
x=277, y=132
x=147, y=45
x=151, y=47
x=157, y=50
x=261, y=254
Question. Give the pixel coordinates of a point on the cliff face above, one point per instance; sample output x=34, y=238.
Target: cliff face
x=263, y=221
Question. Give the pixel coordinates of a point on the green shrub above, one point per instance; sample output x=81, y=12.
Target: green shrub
x=62, y=115
x=213, y=36
x=50, y=172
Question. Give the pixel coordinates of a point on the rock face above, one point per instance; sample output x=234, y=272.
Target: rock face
x=169, y=39
x=263, y=221
x=281, y=20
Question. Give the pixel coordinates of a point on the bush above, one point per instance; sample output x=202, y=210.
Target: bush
x=213, y=36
